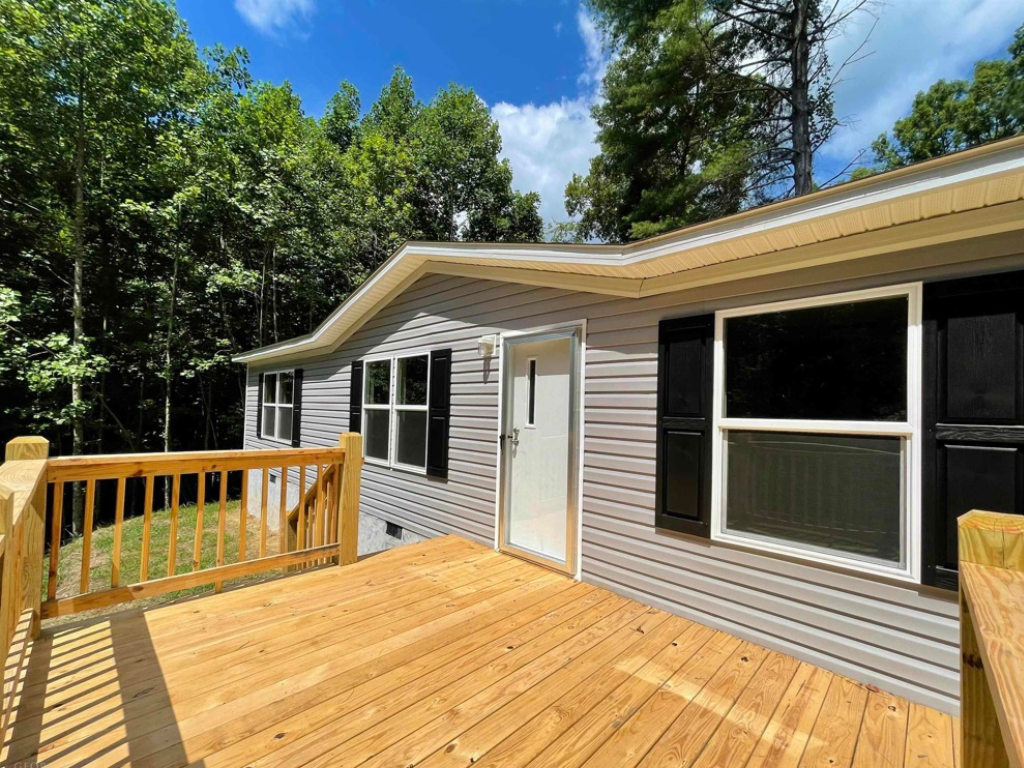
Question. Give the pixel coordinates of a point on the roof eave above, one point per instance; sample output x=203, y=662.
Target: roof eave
x=740, y=241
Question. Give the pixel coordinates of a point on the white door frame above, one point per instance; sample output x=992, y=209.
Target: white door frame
x=576, y=331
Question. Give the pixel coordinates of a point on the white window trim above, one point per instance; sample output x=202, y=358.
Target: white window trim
x=909, y=430
x=393, y=407
x=278, y=405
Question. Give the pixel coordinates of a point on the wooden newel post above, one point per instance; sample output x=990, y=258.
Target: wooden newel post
x=34, y=526
x=25, y=448
x=994, y=540
x=348, y=501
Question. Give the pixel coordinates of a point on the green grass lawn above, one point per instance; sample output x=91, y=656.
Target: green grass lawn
x=101, y=558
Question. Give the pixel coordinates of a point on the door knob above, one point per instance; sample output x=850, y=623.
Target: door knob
x=513, y=439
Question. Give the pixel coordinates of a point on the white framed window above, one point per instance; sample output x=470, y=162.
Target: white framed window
x=278, y=406
x=395, y=391
x=816, y=450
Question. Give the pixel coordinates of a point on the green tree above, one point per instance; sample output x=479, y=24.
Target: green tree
x=464, y=191
x=432, y=172
x=956, y=114
x=160, y=212
x=710, y=105
x=341, y=118
x=94, y=86
x=673, y=128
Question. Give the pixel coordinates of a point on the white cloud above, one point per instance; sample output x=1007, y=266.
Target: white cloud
x=914, y=43
x=597, y=58
x=273, y=16
x=548, y=143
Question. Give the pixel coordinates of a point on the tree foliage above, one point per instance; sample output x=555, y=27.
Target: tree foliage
x=709, y=106
x=673, y=147
x=161, y=212
x=955, y=114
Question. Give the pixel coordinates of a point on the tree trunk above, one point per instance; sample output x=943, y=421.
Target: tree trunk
x=78, y=309
x=803, y=152
x=273, y=277
x=262, y=301
x=168, y=370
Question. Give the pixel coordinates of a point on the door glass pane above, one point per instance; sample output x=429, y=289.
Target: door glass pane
x=375, y=424
x=841, y=361
x=284, y=423
x=531, y=384
x=378, y=382
x=412, y=381
x=269, y=421
x=285, y=388
x=270, y=388
x=411, y=435
x=832, y=493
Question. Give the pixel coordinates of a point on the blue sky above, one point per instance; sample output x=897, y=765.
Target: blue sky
x=538, y=63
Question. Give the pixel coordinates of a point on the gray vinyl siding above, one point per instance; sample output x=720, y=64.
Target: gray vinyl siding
x=901, y=638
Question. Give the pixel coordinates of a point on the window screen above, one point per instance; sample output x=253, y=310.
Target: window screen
x=826, y=492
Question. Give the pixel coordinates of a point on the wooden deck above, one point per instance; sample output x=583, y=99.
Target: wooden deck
x=444, y=654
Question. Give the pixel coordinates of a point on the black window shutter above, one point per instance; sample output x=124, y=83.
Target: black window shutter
x=973, y=414
x=355, y=398
x=685, y=395
x=297, y=408
x=259, y=407
x=439, y=412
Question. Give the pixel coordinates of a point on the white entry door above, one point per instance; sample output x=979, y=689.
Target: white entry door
x=539, y=446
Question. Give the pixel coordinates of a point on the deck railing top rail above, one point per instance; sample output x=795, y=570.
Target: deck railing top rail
x=113, y=466
x=992, y=639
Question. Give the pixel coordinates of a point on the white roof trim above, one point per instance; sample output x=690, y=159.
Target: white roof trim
x=976, y=180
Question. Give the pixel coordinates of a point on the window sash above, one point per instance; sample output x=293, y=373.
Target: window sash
x=393, y=407
x=276, y=405
x=909, y=431
x=850, y=363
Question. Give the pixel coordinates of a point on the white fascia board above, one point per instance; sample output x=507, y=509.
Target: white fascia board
x=842, y=199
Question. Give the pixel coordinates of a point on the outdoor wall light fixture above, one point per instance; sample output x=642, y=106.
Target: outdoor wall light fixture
x=486, y=345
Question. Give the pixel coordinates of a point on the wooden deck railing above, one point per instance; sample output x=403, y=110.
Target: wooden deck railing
x=992, y=640
x=303, y=523
x=33, y=488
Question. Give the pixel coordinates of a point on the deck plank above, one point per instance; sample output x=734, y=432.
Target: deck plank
x=411, y=732
x=785, y=738
x=88, y=722
x=930, y=738
x=834, y=738
x=272, y=651
x=444, y=654
x=594, y=676
x=631, y=742
x=883, y=733
x=371, y=639
x=686, y=738
x=328, y=732
x=738, y=736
